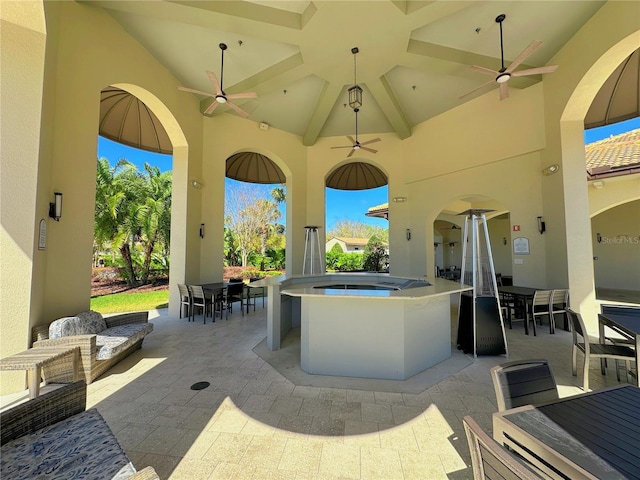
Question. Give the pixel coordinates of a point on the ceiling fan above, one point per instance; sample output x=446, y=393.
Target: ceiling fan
x=502, y=76
x=221, y=97
x=355, y=144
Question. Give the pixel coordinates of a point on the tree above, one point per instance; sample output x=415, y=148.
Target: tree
x=154, y=214
x=375, y=255
x=356, y=229
x=242, y=219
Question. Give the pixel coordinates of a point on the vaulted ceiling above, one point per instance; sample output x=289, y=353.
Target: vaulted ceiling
x=413, y=61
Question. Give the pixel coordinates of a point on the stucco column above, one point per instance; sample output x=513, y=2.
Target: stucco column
x=578, y=224
x=23, y=39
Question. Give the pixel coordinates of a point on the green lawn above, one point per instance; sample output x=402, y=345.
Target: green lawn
x=130, y=302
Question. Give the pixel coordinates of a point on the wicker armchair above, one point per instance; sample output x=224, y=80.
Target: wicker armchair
x=46, y=410
x=91, y=367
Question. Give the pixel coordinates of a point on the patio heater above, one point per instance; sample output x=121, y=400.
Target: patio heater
x=312, y=264
x=480, y=322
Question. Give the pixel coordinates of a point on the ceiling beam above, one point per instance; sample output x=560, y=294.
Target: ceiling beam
x=381, y=91
x=275, y=77
x=328, y=97
x=240, y=17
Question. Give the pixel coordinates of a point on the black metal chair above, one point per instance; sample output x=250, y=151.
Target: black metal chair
x=596, y=350
x=253, y=293
x=235, y=293
x=490, y=460
x=523, y=382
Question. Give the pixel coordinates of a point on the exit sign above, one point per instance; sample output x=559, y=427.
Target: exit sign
x=516, y=228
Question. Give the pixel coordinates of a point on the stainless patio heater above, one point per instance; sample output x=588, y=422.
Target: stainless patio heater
x=312, y=264
x=480, y=322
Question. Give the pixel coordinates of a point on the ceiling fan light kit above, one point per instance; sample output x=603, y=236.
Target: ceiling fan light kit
x=502, y=76
x=220, y=97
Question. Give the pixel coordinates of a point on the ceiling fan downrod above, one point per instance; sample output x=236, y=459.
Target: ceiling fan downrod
x=222, y=98
x=357, y=144
x=503, y=77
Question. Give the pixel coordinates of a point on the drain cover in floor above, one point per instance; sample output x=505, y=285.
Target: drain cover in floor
x=200, y=385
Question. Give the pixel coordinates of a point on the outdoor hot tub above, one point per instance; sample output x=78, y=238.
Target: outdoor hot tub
x=362, y=325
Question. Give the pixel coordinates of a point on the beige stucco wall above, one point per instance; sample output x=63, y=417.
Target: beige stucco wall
x=617, y=254
x=23, y=37
x=468, y=151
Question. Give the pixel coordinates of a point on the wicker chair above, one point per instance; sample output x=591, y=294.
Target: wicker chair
x=91, y=367
x=46, y=410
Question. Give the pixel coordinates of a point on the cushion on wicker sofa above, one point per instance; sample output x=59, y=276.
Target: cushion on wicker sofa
x=83, y=323
x=114, y=340
x=81, y=446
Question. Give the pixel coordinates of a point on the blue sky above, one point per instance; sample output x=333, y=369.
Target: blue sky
x=341, y=204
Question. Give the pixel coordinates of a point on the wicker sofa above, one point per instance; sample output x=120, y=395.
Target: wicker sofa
x=103, y=342
x=52, y=436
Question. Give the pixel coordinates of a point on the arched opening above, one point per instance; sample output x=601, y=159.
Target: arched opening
x=357, y=216
x=255, y=207
x=135, y=193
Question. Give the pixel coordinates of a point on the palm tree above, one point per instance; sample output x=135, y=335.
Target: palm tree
x=154, y=214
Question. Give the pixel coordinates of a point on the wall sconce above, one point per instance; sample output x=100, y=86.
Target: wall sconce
x=504, y=240
x=551, y=169
x=399, y=199
x=55, y=208
x=541, y=225
x=599, y=237
x=408, y=234
x=202, y=230
x=196, y=184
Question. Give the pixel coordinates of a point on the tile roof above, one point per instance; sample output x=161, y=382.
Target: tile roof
x=616, y=155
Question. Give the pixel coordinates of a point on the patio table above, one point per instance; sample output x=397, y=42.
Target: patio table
x=625, y=324
x=525, y=295
x=587, y=436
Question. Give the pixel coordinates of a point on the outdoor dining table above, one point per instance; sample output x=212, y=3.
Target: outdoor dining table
x=625, y=324
x=587, y=436
x=523, y=294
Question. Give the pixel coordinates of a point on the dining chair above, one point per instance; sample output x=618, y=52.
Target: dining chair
x=202, y=300
x=253, y=293
x=490, y=460
x=593, y=350
x=541, y=307
x=523, y=382
x=185, y=300
x=235, y=293
x=558, y=303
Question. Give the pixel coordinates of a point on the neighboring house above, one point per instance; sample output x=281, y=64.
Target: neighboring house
x=349, y=245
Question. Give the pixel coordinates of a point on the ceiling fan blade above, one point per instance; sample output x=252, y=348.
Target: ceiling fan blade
x=345, y=146
x=353, y=150
x=523, y=55
x=476, y=89
x=192, y=90
x=211, y=108
x=486, y=71
x=535, y=71
x=351, y=139
x=233, y=96
x=368, y=149
x=504, y=91
x=214, y=82
x=371, y=141
x=238, y=109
